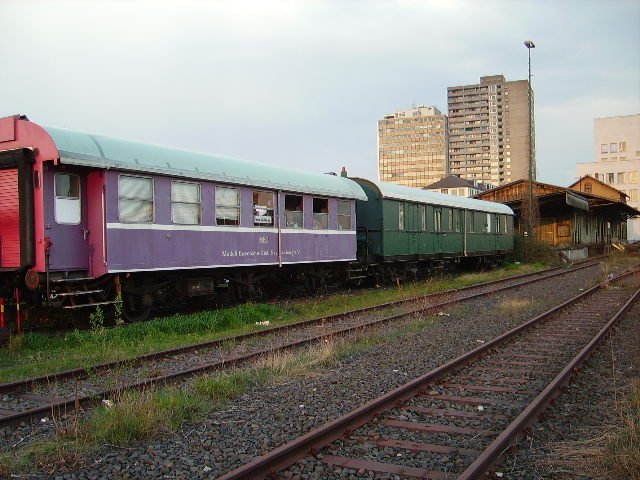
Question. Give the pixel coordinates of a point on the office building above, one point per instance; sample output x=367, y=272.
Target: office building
x=412, y=147
x=617, y=154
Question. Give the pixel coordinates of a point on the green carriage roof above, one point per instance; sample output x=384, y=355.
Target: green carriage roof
x=78, y=148
x=399, y=192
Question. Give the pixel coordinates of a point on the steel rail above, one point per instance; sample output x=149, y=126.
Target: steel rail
x=55, y=407
x=81, y=373
x=529, y=415
x=313, y=441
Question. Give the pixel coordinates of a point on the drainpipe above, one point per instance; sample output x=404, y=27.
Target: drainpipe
x=464, y=213
x=279, y=231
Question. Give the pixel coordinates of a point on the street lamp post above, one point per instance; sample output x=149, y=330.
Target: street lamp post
x=532, y=210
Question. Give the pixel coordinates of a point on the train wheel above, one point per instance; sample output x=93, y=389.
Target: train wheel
x=134, y=308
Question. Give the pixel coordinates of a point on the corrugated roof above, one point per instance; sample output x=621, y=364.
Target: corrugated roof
x=78, y=148
x=399, y=192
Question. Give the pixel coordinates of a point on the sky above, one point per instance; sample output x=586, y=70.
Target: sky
x=301, y=84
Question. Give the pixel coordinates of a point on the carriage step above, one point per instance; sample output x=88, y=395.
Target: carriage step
x=94, y=304
x=74, y=294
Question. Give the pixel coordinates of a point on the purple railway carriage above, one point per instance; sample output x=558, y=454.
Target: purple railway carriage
x=89, y=215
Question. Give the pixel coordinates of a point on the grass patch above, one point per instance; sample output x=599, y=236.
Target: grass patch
x=613, y=454
x=359, y=299
x=621, y=458
x=35, y=354
x=617, y=262
x=143, y=415
x=43, y=457
x=514, y=305
x=132, y=416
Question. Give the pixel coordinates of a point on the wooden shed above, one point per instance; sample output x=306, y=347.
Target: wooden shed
x=570, y=217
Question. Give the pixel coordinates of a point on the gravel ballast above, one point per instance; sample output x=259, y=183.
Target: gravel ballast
x=565, y=443
x=268, y=416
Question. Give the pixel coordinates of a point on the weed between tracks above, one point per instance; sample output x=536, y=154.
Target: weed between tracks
x=137, y=416
x=613, y=454
x=37, y=354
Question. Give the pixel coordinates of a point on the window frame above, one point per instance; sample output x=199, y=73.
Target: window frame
x=286, y=212
x=470, y=219
x=272, y=209
x=198, y=203
x=324, y=217
x=56, y=197
x=342, y=215
x=238, y=207
x=401, y=225
x=153, y=198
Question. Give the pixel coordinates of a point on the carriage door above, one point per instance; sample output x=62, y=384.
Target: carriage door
x=67, y=223
x=437, y=230
x=412, y=228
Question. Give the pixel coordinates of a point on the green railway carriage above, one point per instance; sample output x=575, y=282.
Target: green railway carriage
x=401, y=229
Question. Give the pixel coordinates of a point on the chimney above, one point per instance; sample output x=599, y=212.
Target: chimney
x=343, y=173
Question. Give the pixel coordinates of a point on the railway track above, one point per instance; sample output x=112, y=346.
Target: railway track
x=60, y=393
x=457, y=420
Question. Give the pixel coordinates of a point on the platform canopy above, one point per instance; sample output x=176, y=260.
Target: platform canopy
x=87, y=150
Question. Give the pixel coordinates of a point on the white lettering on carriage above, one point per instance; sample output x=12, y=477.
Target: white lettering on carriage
x=258, y=253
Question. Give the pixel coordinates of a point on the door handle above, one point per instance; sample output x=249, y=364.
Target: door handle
x=85, y=233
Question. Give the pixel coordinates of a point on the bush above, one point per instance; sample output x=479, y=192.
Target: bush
x=532, y=250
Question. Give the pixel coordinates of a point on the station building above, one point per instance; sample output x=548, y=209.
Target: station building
x=578, y=222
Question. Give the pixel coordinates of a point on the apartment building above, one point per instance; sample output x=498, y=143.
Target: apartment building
x=412, y=146
x=489, y=130
x=617, y=153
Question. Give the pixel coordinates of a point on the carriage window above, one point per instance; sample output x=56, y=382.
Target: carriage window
x=321, y=213
x=487, y=225
x=470, y=226
x=344, y=215
x=437, y=220
x=498, y=224
x=401, y=216
x=227, y=206
x=458, y=219
x=135, y=199
x=422, y=211
x=68, y=205
x=263, y=208
x=185, y=203
x=293, y=211
x=448, y=213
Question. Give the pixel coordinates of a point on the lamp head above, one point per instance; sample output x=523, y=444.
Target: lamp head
x=529, y=44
